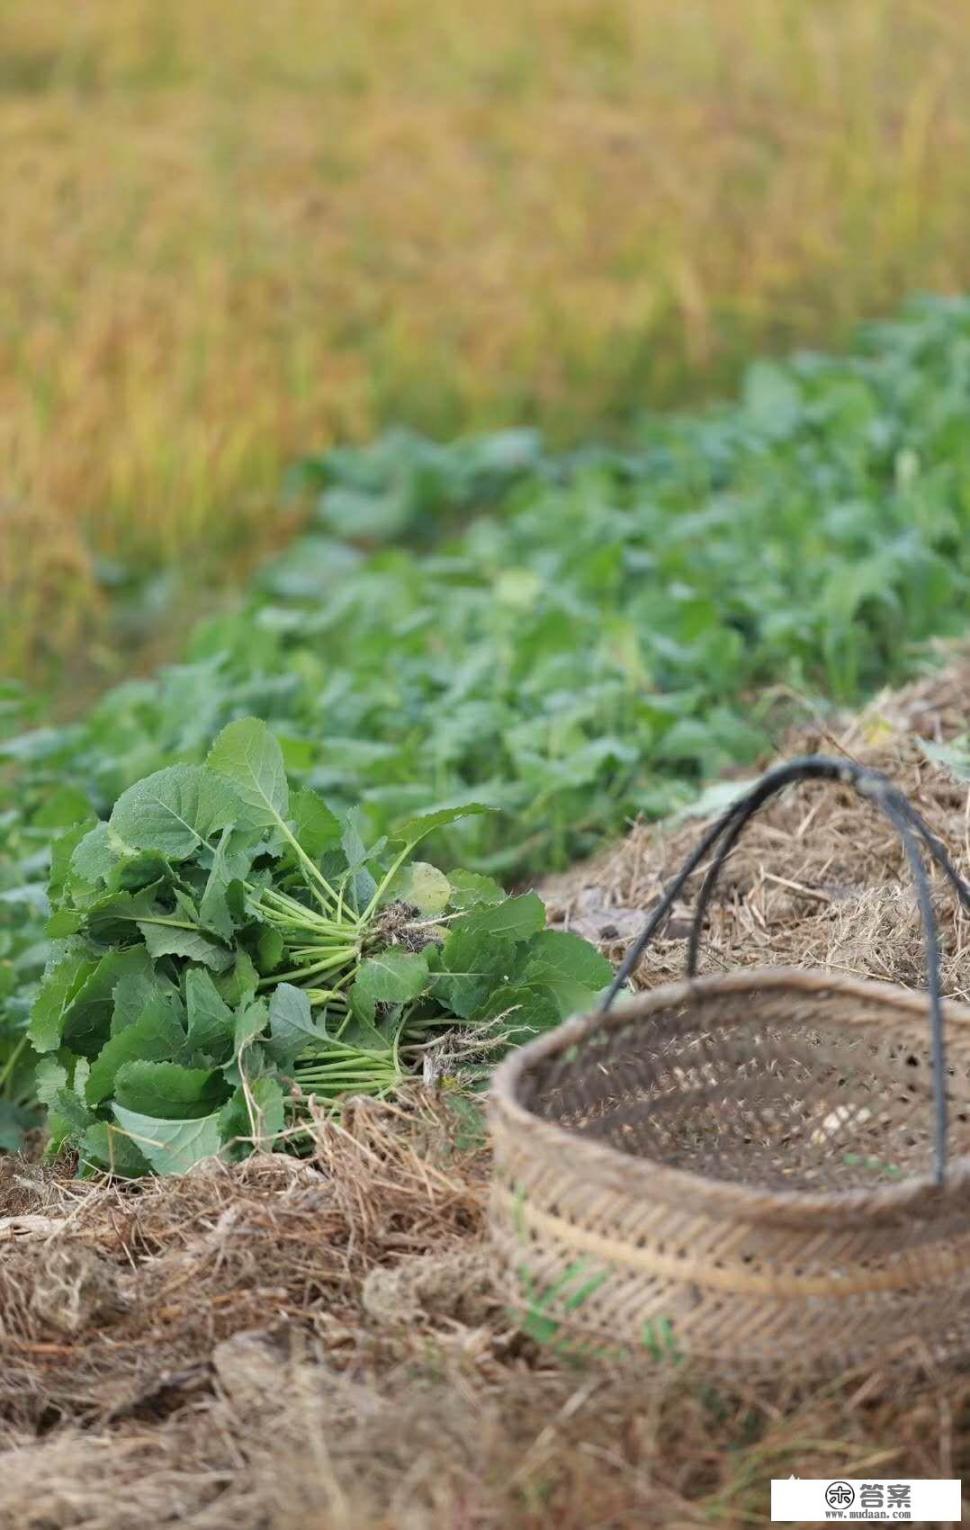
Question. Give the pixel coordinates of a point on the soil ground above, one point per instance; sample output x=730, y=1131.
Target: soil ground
x=319, y=1343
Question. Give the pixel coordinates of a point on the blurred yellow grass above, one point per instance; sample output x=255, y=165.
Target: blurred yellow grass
x=233, y=231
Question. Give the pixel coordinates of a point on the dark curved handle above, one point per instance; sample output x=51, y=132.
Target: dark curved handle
x=911, y=828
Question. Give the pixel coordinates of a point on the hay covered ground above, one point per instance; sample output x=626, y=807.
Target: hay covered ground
x=817, y=878
x=319, y=1344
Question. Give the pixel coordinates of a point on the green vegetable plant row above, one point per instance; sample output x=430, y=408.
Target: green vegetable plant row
x=572, y=638
x=227, y=952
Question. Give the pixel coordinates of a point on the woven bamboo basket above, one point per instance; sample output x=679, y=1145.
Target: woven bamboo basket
x=767, y=1171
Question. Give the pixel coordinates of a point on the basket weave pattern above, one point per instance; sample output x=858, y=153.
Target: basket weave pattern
x=735, y=1172
x=628, y=1174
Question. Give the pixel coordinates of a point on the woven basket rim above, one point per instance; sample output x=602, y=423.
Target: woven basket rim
x=652, y=1177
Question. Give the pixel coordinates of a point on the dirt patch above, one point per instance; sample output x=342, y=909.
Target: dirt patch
x=286, y=1345
x=112, y=1302
x=318, y=1343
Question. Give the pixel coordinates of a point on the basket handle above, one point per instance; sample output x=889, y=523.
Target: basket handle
x=912, y=829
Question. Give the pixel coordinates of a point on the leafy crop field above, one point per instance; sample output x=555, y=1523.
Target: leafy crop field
x=609, y=629
x=232, y=230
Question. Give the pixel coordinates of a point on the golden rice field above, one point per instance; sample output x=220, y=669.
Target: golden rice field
x=233, y=231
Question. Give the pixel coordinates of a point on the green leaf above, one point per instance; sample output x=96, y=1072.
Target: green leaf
x=291, y=1027
x=170, y=1146
x=136, y=990
x=249, y=1023
x=315, y=826
x=571, y=970
x=63, y=853
x=413, y=830
x=526, y=1010
x=75, y=1004
x=67, y=1114
x=269, y=950
x=239, y=983
x=366, y=1036
x=393, y=977
x=94, y=856
x=113, y=919
x=174, y=940
x=174, y=811
x=568, y=953
x=472, y=964
x=140, y=870
x=214, y=911
x=15, y=1121
x=469, y=889
x=63, y=924
x=423, y=886
x=68, y=1118
x=50, y=1079
x=211, y=1023
x=352, y=840
x=513, y=919
x=168, y=1090
x=186, y=909
x=156, y=1036
x=106, y=1147
x=247, y=755
x=231, y=864
x=244, y=1123
x=356, y=854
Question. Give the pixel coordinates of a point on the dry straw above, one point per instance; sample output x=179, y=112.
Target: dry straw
x=758, y=1172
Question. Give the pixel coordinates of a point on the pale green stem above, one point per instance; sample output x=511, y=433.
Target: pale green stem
x=319, y=996
x=329, y=896
x=283, y=904
x=173, y=924
x=315, y=952
x=385, y=884
x=299, y=973
x=287, y=921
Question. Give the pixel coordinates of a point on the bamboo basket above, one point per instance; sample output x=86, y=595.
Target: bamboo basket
x=767, y=1171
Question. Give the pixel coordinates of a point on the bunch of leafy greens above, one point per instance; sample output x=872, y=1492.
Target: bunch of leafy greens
x=573, y=637
x=227, y=952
